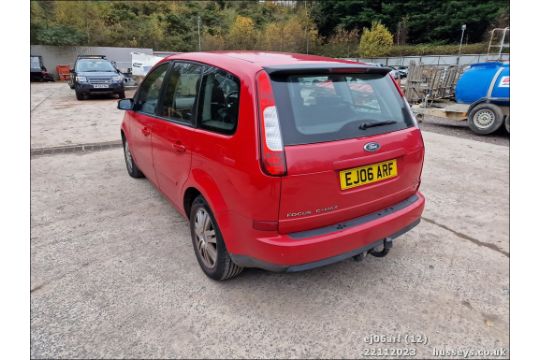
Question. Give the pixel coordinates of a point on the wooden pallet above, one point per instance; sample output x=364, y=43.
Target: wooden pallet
x=451, y=111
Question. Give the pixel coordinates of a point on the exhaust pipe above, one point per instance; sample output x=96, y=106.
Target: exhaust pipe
x=387, y=245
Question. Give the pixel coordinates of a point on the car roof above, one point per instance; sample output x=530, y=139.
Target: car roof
x=253, y=61
x=91, y=57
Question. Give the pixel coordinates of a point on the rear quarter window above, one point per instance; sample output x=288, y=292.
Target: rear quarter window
x=317, y=108
x=219, y=100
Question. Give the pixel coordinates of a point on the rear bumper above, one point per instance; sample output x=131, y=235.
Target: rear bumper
x=319, y=247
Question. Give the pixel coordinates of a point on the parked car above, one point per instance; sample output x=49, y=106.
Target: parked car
x=38, y=71
x=394, y=73
x=284, y=162
x=399, y=71
x=94, y=74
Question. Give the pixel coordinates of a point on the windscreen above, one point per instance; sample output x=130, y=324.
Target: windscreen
x=317, y=108
x=94, y=65
x=35, y=63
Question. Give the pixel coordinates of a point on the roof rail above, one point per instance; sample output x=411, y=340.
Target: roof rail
x=91, y=56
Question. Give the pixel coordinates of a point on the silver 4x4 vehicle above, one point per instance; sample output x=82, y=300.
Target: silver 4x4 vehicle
x=95, y=74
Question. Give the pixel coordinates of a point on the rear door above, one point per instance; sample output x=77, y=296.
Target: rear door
x=351, y=147
x=172, y=134
x=143, y=120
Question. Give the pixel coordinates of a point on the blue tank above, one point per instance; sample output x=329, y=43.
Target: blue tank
x=484, y=80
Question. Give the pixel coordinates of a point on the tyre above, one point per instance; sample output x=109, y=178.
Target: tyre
x=485, y=119
x=122, y=95
x=79, y=95
x=208, y=243
x=132, y=168
x=507, y=123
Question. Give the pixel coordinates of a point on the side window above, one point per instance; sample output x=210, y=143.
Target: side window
x=148, y=94
x=181, y=91
x=219, y=101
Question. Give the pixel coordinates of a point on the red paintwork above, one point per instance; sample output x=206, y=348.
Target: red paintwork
x=318, y=165
x=226, y=170
x=137, y=126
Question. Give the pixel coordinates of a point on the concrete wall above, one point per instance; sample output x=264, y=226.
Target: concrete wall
x=432, y=59
x=66, y=55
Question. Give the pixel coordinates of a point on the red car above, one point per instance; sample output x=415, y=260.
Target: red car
x=280, y=161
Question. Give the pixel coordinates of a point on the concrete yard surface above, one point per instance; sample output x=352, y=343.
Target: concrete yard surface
x=58, y=119
x=114, y=275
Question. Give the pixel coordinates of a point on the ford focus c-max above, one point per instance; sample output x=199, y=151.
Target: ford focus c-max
x=283, y=162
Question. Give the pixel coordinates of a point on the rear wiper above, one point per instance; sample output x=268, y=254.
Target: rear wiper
x=366, y=125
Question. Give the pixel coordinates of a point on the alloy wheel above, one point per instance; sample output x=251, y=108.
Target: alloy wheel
x=127, y=154
x=206, y=238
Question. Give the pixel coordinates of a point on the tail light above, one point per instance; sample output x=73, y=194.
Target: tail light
x=272, y=153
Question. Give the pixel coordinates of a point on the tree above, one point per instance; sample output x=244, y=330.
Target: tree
x=271, y=37
x=37, y=21
x=342, y=43
x=349, y=15
x=402, y=31
x=60, y=36
x=319, y=26
x=212, y=42
x=427, y=22
x=242, y=34
x=376, y=40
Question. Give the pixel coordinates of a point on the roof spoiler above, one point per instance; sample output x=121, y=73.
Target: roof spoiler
x=326, y=68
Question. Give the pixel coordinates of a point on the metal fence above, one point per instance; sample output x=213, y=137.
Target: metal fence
x=431, y=59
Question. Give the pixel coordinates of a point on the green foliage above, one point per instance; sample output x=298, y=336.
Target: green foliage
x=60, y=36
x=326, y=27
x=242, y=33
x=294, y=35
x=342, y=43
x=375, y=41
x=349, y=15
x=427, y=21
x=434, y=49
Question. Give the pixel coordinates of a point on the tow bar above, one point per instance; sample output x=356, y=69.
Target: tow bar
x=387, y=245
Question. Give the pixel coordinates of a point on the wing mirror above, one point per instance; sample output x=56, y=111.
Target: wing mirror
x=125, y=104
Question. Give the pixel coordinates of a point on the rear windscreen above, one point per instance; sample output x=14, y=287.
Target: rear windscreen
x=318, y=108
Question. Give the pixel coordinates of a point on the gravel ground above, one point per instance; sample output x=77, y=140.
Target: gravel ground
x=113, y=273
x=461, y=130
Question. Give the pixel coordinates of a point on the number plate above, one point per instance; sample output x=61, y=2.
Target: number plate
x=101, y=86
x=368, y=174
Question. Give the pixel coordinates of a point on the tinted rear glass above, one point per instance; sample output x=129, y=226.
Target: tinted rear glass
x=318, y=108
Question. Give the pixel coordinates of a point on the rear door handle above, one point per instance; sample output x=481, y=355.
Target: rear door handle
x=145, y=131
x=178, y=146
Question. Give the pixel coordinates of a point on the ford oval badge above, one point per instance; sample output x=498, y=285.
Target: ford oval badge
x=372, y=146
